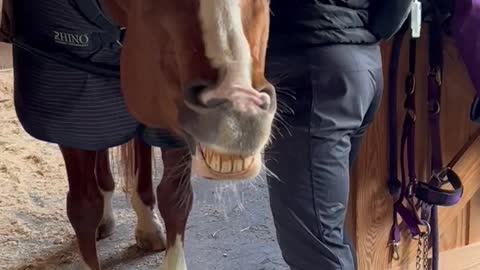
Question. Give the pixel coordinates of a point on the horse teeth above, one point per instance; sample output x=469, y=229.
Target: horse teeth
x=238, y=165
x=209, y=156
x=226, y=163
x=215, y=163
x=227, y=166
x=248, y=161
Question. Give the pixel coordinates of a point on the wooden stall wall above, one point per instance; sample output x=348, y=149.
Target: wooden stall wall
x=370, y=210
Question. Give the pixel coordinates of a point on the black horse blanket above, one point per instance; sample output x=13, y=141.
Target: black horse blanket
x=66, y=67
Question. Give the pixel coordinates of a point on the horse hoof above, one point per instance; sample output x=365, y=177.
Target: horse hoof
x=84, y=266
x=151, y=241
x=106, y=229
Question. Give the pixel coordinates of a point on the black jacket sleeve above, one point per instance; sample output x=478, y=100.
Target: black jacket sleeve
x=387, y=17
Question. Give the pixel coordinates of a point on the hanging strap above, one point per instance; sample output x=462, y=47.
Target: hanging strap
x=408, y=187
x=402, y=189
x=432, y=194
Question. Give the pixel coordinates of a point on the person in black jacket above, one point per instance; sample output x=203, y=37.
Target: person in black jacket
x=327, y=68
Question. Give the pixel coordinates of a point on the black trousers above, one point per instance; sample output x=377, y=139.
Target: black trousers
x=327, y=98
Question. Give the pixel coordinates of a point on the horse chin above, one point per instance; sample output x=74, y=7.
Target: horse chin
x=213, y=164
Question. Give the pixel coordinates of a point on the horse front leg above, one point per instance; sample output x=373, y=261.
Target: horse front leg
x=85, y=202
x=106, y=183
x=149, y=230
x=175, y=199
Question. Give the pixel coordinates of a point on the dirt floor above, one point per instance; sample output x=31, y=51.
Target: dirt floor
x=230, y=227
x=5, y=54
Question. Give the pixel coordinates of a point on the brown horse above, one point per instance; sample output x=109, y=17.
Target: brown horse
x=195, y=68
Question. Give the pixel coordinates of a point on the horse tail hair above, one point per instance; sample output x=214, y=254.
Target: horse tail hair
x=127, y=164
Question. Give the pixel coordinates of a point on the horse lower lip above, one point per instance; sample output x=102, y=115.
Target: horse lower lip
x=226, y=163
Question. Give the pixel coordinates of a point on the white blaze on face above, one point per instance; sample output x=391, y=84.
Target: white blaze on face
x=225, y=43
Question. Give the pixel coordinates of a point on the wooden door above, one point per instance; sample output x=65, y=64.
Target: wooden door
x=370, y=209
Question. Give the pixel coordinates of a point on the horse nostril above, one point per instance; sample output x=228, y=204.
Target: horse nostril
x=266, y=96
x=192, y=93
x=266, y=101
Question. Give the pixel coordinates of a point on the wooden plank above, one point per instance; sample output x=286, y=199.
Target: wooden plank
x=468, y=168
x=473, y=229
x=455, y=234
x=463, y=258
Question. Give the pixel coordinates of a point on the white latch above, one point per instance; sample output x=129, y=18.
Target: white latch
x=416, y=18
